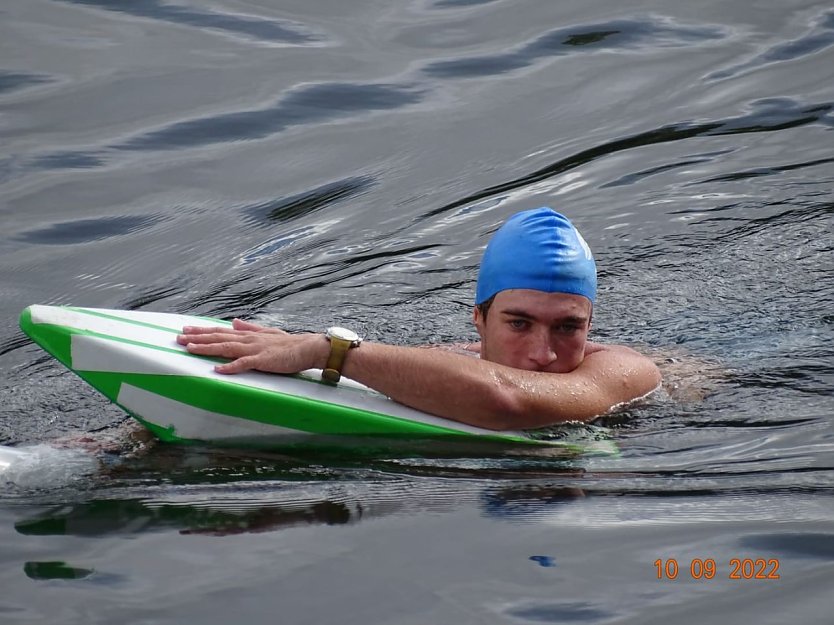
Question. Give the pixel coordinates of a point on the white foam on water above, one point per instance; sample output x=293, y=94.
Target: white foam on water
x=44, y=466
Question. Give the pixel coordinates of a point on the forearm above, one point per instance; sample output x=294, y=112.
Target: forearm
x=494, y=396
x=443, y=383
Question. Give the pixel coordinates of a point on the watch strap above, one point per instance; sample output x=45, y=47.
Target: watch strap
x=332, y=371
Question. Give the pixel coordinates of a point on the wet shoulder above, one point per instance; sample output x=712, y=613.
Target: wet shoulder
x=685, y=376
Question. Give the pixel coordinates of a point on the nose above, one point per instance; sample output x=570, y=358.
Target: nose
x=541, y=351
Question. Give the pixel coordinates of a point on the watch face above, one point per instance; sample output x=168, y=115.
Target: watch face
x=342, y=333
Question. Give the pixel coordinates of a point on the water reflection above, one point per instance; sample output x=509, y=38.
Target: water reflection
x=623, y=35
x=286, y=209
x=810, y=545
x=310, y=104
x=267, y=30
x=273, y=507
x=86, y=230
x=113, y=516
x=55, y=570
x=765, y=115
x=694, y=147
x=820, y=37
x=12, y=81
x=248, y=499
x=562, y=612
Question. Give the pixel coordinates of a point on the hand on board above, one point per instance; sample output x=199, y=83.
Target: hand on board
x=250, y=346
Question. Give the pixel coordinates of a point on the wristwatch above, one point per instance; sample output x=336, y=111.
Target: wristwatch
x=341, y=340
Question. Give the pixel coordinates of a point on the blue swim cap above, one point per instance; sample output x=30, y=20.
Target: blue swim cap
x=537, y=249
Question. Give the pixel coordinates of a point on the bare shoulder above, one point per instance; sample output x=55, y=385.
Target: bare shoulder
x=614, y=353
x=592, y=348
x=688, y=376
x=621, y=372
x=685, y=376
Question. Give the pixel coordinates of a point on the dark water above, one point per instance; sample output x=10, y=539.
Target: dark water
x=309, y=162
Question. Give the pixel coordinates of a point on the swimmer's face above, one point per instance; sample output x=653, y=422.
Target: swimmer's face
x=534, y=330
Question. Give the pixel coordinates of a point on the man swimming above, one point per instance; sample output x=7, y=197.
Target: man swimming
x=534, y=300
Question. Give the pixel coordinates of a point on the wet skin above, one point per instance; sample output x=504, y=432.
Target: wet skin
x=535, y=331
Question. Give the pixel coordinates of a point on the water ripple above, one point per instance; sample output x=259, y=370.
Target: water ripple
x=805, y=545
x=150, y=295
x=652, y=171
x=814, y=376
x=818, y=39
x=86, y=230
x=70, y=160
x=562, y=612
x=295, y=273
x=11, y=81
x=311, y=104
x=765, y=171
x=267, y=30
x=454, y=4
x=270, y=247
x=777, y=227
x=10, y=344
x=616, y=35
x=765, y=115
x=289, y=208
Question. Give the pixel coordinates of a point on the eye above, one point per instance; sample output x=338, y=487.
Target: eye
x=568, y=328
x=519, y=324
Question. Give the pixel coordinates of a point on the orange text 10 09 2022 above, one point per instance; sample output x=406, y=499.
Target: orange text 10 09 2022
x=708, y=568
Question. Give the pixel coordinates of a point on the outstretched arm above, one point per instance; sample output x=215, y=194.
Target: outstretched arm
x=443, y=383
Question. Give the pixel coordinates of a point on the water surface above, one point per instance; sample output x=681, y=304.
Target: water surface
x=325, y=162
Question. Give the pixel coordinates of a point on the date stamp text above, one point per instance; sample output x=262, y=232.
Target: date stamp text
x=709, y=568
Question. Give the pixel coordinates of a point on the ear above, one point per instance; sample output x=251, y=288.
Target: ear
x=479, y=321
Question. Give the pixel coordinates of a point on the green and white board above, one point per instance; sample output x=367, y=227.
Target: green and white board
x=132, y=357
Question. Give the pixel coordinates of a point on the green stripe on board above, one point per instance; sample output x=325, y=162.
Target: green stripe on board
x=53, y=339
x=56, y=339
x=136, y=322
x=269, y=407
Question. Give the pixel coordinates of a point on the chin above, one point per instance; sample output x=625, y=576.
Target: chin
x=563, y=368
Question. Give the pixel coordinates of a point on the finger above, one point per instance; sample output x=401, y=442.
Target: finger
x=240, y=324
x=245, y=363
x=223, y=350
x=214, y=337
x=248, y=326
x=205, y=329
